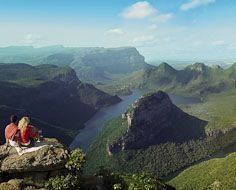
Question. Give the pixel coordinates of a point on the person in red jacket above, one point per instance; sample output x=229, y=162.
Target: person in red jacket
x=12, y=132
x=27, y=132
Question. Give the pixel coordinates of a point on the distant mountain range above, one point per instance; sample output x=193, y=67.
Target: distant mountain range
x=119, y=68
x=54, y=97
x=90, y=64
x=197, y=79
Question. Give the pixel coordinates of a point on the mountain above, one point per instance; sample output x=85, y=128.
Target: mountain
x=90, y=64
x=164, y=76
x=155, y=136
x=154, y=119
x=53, y=166
x=218, y=173
x=52, y=96
x=197, y=79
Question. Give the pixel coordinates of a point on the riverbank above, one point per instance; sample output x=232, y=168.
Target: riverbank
x=95, y=125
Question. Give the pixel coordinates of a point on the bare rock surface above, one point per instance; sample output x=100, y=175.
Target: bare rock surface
x=49, y=158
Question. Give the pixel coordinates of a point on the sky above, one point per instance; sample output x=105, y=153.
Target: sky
x=159, y=29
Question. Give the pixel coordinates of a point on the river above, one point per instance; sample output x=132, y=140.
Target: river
x=97, y=122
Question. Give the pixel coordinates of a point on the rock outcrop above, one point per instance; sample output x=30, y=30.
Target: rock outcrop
x=35, y=166
x=154, y=119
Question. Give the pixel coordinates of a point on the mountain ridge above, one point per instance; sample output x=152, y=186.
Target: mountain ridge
x=194, y=80
x=91, y=63
x=50, y=93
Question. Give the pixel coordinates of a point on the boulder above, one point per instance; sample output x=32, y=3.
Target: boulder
x=31, y=170
x=15, y=184
x=49, y=158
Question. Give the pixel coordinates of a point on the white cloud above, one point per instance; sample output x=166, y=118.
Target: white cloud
x=163, y=18
x=33, y=39
x=139, y=10
x=192, y=4
x=219, y=43
x=115, y=31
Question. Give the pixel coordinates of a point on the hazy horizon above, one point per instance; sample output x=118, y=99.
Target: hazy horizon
x=160, y=30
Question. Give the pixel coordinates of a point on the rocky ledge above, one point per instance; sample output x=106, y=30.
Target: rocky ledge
x=35, y=166
x=154, y=119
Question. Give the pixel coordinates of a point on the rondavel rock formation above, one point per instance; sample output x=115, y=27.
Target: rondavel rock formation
x=154, y=119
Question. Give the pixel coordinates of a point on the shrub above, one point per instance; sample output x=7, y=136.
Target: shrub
x=111, y=180
x=72, y=179
x=75, y=161
x=145, y=181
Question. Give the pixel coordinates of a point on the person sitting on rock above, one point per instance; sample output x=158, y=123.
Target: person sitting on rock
x=27, y=132
x=12, y=132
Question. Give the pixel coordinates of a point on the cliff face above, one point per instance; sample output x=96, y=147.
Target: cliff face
x=91, y=64
x=101, y=63
x=154, y=119
x=51, y=95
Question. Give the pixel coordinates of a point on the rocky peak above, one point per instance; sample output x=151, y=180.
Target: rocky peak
x=68, y=77
x=166, y=67
x=199, y=67
x=154, y=119
x=218, y=67
x=152, y=102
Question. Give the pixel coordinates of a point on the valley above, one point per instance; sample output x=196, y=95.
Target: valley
x=52, y=96
x=166, y=158
x=96, y=124
x=130, y=118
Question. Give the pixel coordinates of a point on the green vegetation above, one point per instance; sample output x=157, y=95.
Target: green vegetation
x=164, y=159
x=114, y=129
x=194, y=80
x=91, y=64
x=215, y=174
x=160, y=160
x=144, y=181
x=73, y=177
x=52, y=95
x=218, y=109
x=29, y=76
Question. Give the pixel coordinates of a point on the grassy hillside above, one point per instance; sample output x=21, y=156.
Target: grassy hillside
x=27, y=75
x=218, y=109
x=97, y=153
x=218, y=174
x=53, y=95
x=160, y=160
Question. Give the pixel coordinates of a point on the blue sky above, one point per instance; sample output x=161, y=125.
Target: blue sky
x=160, y=29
